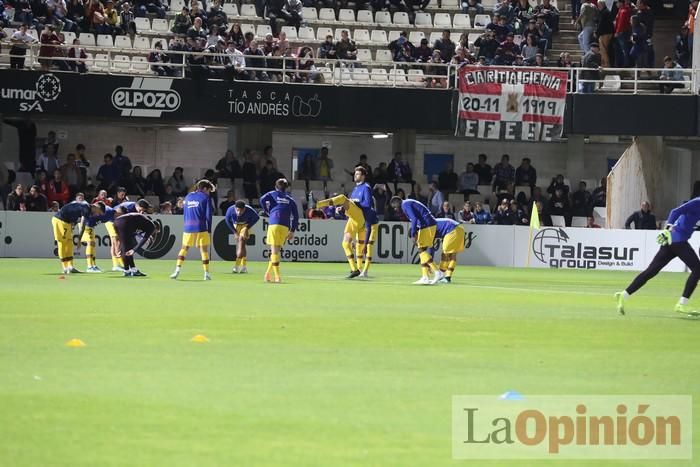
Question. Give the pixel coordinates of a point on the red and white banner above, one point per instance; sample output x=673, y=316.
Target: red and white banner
x=518, y=104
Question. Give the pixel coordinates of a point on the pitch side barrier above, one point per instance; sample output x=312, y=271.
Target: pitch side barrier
x=29, y=235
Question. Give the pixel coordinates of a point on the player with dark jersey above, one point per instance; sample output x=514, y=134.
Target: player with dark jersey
x=134, y=230
x=71, y=214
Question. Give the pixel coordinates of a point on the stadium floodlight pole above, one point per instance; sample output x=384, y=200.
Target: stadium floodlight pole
x=534, y=224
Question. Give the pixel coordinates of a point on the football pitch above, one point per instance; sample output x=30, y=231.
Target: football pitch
x=318, y=370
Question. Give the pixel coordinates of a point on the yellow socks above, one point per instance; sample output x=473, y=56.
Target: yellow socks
x=348, y=253
x=181, y=257
x=358, y=254
x=451, y=267
x=205, y=258
x=275, y=265
x=368, y=256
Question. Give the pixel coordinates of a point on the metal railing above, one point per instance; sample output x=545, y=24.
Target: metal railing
x=120, y=61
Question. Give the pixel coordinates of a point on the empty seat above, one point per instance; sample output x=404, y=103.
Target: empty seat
x=231, y=9
x=443, y=20
x=104, y=40
x=246, y=27
x=263, y=30
x=393, y=35
x=481, y=21
x=291, y=32
x=384, y=55
x=382, y=17
x=327, y=74
x=456, y=200
x=177, y=5
x=161, y=25
x=415, y=76
x=379, y=37
x=364, y=55
x=558, y=221
x=397, y=76
x=415, y=36
x=364, y=16
x=309, y=13
x=248, y=10
x=611, y=83
x=433, y=37
x=342, y=75
x=121, y=64
x=360, y=75
x=525, y=189
x=140, y=65
x=87, y=38
x=579, y=221
x=142, y=24
x=346, y=15
x=307, y=33
x=378, y=76
x=339, y=31
x=322, y=32
x=361, y=36
x=401, y=18
x=67, y=37
x=460, y=21
x=122, y=42
x=424, y=19
x=326, y=14
x=472, y=37
x=450, y=4
x=142, y=42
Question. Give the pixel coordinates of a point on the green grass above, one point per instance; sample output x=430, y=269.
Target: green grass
x=317, y=370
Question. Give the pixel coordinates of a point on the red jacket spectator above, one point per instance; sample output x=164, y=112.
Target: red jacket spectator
x=58, y=191
x=622, y=20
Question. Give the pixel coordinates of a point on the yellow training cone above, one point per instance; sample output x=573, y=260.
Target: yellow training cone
x=200, y=339
x=75, y=343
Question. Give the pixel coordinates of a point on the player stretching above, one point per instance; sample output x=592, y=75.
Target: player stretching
x=88, y=238
x=674, y=243
x=128, y=227
x=362, y=196
x=422, y=230
x=362, y=227
x=197, y=226
x=284, y=220
x=452, y=235
x=240, y=218
x=126, y=207
x=63, y=222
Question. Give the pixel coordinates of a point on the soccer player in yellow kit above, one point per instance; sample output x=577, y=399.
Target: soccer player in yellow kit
x=284, y=221
x=63, y=221
x=452, y=235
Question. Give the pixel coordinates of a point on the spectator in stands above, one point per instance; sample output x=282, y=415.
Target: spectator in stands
x=447, y=179
x=530, y=49
x=381, y=195
x=623, y=29
x=58, y=189
x=323, y=166
x=154, y=7
x=592, y=61
x=503, y=215
x=545, y=219
x=111, y=19
x=213, y=37
x=581, y=201
x=137, y=184
x=381, y=175
x=643, y=219
x=235, y=36
x=35, y=201
x=394, y=212
x=306, y=66
x=48, y=161
x=399, y=170
x=549, y=13
x=120, y=196
x=169, y=196
x=558, y=182
x=481, y=216
x=469, y=181
x=179, y=207
x=108, y=174
x=523, y=13
x=235, y=65
x=71, y=174
x=42, y=181
x=462, y=57
x=559, y=205
x=216, y=16
x=526, y=174
x=127, y=23
x=102, y=197
x=483, y=170
x=49, y=47
x=268, y=176
x=517, y=214
x=255, y=58
x=182, y=22
x=21, y=41
x=177, y=181
x=445, y=46
x=599, y=194
x=466, y=214
x=639, y=52
x=446, y=211
x=122, y=164
x=327, y=49
x=154, y=184
x=418, y=194
x=250, y=176
x=197, y=31
x=435, y=198
x=604, y=32
x=228, y=202
x=345, y=48
x=16, y=200
x=564, y=60
x=487, y=45
x=275, y=11
x=501, y=29
x=683, y=52
x=77, y=56
x=307, y=168
x=159, y=60
x=587, y=22
x=228, y=166
x=503, y=172
x=166, y=208
x=401, y=49
x=436, y=72
x=472, y=8
x=672, y=72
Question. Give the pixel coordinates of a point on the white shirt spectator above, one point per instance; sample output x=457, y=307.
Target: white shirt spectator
x=237, y=58
x=435, y=201
x=22, y=40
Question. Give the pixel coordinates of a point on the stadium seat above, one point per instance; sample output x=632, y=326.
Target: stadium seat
x=161, y=25
x=360, y=75
x=472, y=37
x=317, y=185
x=122, y=42
x=104, y=40
x=88, y=39
x=262, y=30
x=309, y=13
x=231, y=9
x=248, y=10
x=401, y=19
x=558, y=221
x=611, y=83
x=433, y=37
x=461, y=21
x=361, y=36
x=327, y=15
x=346, y=15
x=121, y=64
x=89, y=61
x=67, y=37
x=382, y=18
x=393, y=35
x=291, y=32
x=163, y=42
x=322, y=32
x=579, y=221
x=339, y=31
x=343, y=75
x=247, y=27
x=140, y=65
x=364, y=55
x=384, y=55
x=398, y=77
x=365, y=17
x=415, y=77
x=379, y=37
x=450, y=4
x=443, y=20
x=142, y=42
x=327, y=74
x=176, y=6
x=525, y=189
x=415, y=37
x=378, y=76
x=481, y=21
x=423, y=19
x=485, y=190
x=142, y=24
x=456, y=200
x=307, y=33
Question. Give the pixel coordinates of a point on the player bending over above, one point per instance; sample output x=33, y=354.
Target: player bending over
x=362, y=226
x=88, y=237
x=674, y=243
x=63, y=222
x=129, y=227
x=126, y=207
x=422, y=230
x=240, y=218
x=452, y=235
x=284, y=220
x=197, y=226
